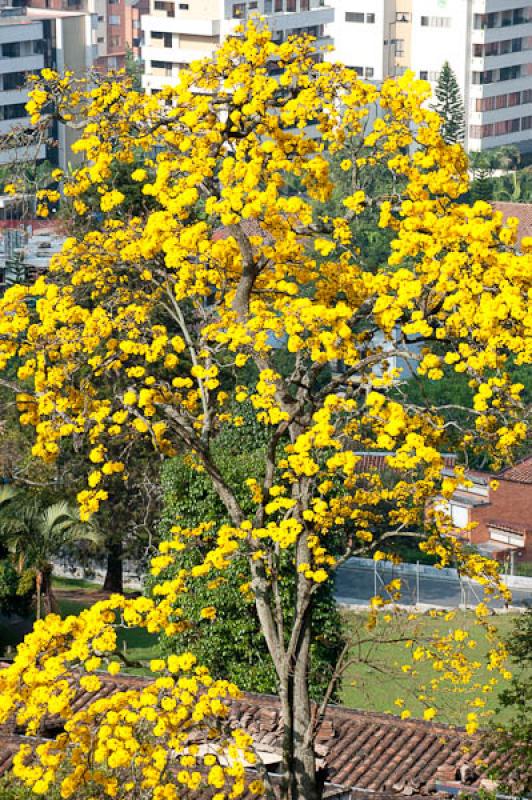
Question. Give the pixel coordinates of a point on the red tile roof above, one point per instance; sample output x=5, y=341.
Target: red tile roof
x=520, y=472
x=363, y=752
x=523, y=212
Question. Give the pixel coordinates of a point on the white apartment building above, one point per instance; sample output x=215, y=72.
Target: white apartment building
x=176, y=32
x=31, y=39
x=488, y=44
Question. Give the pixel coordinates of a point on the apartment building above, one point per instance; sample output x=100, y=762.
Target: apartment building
x=177, y=32
x=31, y=39
x=116, y=27
x=488, y=44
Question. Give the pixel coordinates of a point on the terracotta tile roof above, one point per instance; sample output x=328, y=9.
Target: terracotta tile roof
x=376, y=461
x=363, y=752
x=511, y=527
x=520, y=472
x=523, y=212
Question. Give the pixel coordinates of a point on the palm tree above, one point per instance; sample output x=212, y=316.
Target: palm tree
x=34, y=534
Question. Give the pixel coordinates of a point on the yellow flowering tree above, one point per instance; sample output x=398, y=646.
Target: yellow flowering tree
x=170, y=302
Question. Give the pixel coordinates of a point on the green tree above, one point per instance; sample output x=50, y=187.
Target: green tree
x=232, y=645
x=34, y=534
x=513, y=739
x=450, y=106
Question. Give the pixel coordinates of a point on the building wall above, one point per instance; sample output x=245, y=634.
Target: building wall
x=177, y=32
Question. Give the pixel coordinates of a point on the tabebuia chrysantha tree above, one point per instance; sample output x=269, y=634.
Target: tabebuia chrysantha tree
x=151, y=316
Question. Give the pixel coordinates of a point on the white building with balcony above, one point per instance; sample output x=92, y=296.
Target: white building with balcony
x=488, y=44
x=31, y=39
x=174, y=33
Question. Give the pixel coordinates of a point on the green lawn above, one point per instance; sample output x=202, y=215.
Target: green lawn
x=375, y=681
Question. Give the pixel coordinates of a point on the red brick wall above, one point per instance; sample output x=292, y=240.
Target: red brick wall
x=511, y=504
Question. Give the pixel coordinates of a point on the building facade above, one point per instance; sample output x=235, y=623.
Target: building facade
x=31, y=39
x=176, y=33
x=500, y=508
x=116, y=27
x=488, y=44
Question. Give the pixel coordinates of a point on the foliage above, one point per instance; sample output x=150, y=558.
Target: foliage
x=512, y=740
x=450, y=106
x=144, y=324
x=35, y=534
x=11, y=789
x=232, y=645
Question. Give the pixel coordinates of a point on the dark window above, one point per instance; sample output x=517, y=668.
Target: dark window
x=517, y=45
x=425, y=21
x=278, y=5
x=14, y=80
x=514, y=98
x=11, y=50
x=519, y=16
x=168, y=40
x=304, y=5
x=527, y=96
x=526, y=123
x=354, y=16
x=183, y=6
x=239, y=11
x=291, y=5
x=369, y=72
x=424, y=75
x=402, y=16
x=370, y=17
x=15, y=111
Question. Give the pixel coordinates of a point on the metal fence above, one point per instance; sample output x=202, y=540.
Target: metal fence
x=360, y=579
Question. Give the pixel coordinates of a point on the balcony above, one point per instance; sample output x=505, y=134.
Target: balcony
x=184, y=23
x=21, y=64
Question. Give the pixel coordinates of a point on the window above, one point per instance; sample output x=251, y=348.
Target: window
x=369, y=72
x=477, y=51
x=14, y=80
x=370, y=18
x=168, y=40
x=100, y=18
x=291, y=5
x=358, y=70
x=304, y=5
x=526, y=123
x=114, y=19
x=157, y=36
x=239, y=11
x=423, y=74
x=514, y=98
x=101, y=39
x=15, y=111
x=354, y=16
x=11, y=50
x=253, y=5
x=278, y=5
x=399, y=47
x=509, y=73
x=491, y=49
x=526, y=96
x=183, y=6
x=506, y=18
x=517, y=45
x=436, y=22
x=402, y=16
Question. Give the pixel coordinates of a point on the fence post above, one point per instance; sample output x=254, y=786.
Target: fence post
x=417, y=583
x=375, y=579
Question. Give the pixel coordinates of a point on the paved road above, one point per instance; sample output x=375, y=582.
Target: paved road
x=356, y=585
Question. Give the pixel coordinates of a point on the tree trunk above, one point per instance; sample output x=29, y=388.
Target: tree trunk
x=114, y=578
x=300, y=781
x=45, y=591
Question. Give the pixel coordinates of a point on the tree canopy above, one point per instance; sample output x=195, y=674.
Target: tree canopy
x=174, y=305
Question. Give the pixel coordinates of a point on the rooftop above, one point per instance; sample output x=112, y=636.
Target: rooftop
x=362, y=752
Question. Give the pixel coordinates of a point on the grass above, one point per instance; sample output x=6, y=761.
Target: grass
x=75, y=583
x=375, y=680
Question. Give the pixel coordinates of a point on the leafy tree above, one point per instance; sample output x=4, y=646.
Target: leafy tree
x=35, y=535
x=450, y=106
x=512, y=739
x=232, y=645
x=170, y=310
